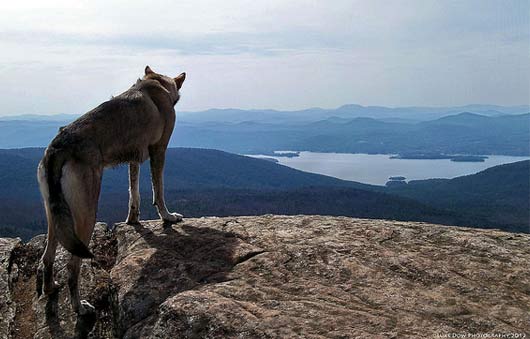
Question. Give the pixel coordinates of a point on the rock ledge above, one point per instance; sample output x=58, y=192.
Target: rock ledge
x=277, y=277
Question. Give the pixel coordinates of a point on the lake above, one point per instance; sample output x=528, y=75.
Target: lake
x=377, y=168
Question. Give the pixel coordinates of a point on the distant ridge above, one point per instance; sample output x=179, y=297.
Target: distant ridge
x=255, y=132
x=419, y=113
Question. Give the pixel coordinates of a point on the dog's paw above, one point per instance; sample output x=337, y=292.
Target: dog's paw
x=85, y=308
x=173, y=218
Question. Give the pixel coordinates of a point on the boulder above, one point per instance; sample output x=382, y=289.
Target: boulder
x=277, y=277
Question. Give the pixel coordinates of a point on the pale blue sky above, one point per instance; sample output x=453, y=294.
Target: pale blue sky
x=68, y=56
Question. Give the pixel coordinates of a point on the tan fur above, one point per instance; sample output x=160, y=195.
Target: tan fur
x=132, y=127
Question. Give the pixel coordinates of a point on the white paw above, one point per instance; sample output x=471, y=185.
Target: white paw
x=85, y=308
x=173, y=217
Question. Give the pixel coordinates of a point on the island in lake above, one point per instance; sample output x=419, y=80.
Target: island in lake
x=282, y=154
x=469, y=158
x=396, y=181
x=436, y=156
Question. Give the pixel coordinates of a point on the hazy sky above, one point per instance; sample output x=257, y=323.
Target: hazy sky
x=68, y=56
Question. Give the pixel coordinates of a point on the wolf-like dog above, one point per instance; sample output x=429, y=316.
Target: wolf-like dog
x=129, y=128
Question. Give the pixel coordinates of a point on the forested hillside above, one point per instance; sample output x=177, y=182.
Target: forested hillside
x=209, y=182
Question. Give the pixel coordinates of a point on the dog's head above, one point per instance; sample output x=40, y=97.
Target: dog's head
x=172, y=85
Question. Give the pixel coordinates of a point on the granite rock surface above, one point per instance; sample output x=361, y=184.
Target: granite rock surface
x=276, y=277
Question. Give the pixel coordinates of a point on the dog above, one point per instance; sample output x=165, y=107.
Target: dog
x=129, y=128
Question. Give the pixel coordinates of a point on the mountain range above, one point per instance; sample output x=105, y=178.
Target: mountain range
x=202, y=181
x=493, y=131
x=349, y=111
x=393, y=114
x=463, y=133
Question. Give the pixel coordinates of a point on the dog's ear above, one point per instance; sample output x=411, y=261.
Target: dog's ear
x=148, y=70
x=180, y=80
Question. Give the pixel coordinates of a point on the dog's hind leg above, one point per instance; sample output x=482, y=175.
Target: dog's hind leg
x=134, y=194
x=157, y=157
x=45, y=280
x=82, y=194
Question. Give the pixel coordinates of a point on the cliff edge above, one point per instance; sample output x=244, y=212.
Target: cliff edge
x=277, y=277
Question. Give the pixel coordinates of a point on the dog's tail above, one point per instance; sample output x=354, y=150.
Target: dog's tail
x=50, y=172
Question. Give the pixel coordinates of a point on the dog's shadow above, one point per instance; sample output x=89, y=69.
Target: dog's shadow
x=181, y=257
x=185, y=257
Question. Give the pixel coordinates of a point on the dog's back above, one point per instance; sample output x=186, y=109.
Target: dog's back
x=119, y=130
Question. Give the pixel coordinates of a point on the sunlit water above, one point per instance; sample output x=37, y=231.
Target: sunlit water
x=377, y=168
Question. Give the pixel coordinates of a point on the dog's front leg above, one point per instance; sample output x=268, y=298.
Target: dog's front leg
x=157, y=156
x=134, y=193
